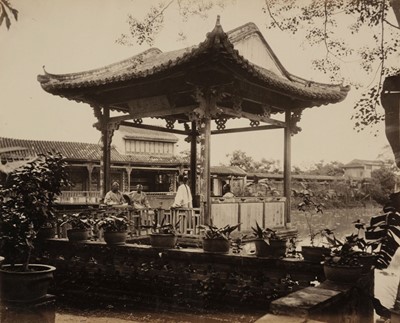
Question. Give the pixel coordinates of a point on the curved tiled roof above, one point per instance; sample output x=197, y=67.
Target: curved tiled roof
x=153, y=62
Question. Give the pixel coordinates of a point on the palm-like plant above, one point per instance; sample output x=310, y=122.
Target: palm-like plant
x=212, y=232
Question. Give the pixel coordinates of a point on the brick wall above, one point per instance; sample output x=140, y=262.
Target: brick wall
x=176, y=277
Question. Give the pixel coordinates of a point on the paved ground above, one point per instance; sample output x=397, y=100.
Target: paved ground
x=109, y=316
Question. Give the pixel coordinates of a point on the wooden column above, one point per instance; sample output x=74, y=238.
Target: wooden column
x=205, y=197
x=287, y=165
x=193, y=159
x=128, y=172
x=106, y=139
x=89, y=168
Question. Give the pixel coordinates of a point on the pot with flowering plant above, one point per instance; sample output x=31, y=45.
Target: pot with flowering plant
x=27, y=204
x=312, y=253
x=268, y=243
x=115, y=228
x=217, y=240
x=78, y=225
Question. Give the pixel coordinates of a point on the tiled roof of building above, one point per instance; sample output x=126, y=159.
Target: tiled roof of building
x=363, y=162
x=227, y=170
x=153, y=62
x=70, y=150
x=295, y=176
x=79, y=151
x=146, y=134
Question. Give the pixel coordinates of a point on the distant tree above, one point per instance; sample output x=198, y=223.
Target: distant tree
x=333, y=168
x=322, y=24
x=296, y=170
x=382, y=184
x=239, y=158
x=6, y=10
x=267, y=166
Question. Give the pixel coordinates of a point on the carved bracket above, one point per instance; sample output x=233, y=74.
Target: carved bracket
x=170, y=123
x=221, y=123
x=254, y=123
x=237, y=103
x=295, y=117
x=207, y=99
x=266, y=111
x=111, y=127
x=98, y=114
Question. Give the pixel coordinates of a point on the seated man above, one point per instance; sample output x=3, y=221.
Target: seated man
x=227, y=190
x=114, y=196
x=139, y=199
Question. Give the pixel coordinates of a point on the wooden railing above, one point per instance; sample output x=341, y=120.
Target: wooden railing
x=79, y=197
x=267, y=211
x=185, y=220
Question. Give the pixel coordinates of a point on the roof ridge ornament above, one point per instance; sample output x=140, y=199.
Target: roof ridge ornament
x=44, y=69
x=218, y=22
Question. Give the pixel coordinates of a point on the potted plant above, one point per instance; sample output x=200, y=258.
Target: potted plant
x=163, y=235
x=78, y=226
x=268, y=243
x=115, y=228
x=27, y=203
x=217, y=239
x=312, y=253
x=364, y=249
x=343, y=263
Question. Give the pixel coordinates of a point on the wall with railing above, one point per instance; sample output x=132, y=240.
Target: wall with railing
x=185, y=220
x=267, y=212
x=191, y=278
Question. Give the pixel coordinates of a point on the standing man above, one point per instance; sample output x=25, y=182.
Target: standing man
x=183, y=197
x=139, y=198
x=114, y=197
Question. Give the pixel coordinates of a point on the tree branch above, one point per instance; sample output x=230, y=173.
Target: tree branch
x=390, y=24
x=272, y=17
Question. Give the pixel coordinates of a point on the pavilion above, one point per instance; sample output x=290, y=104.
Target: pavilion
x=228, y=75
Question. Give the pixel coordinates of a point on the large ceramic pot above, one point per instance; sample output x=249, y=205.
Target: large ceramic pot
x=314, y=254
x=20, y=286
x=115, y=238
x=216, y=245
x=261, y=248
x=276, y=248
x=161, y=240
x=367, y=261
x=342, y=274
x=78, y=235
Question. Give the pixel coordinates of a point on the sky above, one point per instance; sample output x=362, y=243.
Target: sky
x=69, y=36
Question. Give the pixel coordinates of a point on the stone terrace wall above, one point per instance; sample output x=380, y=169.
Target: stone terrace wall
x=176, y=277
